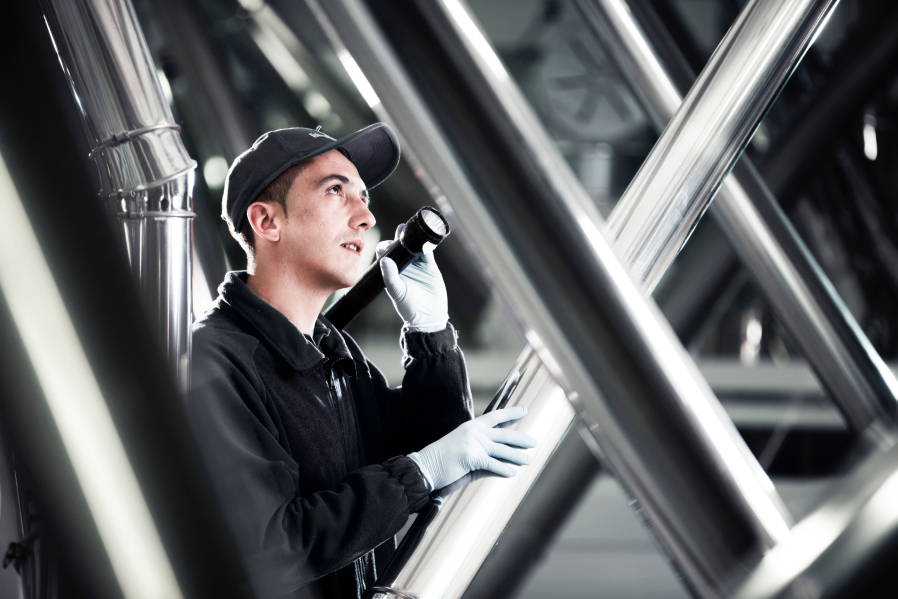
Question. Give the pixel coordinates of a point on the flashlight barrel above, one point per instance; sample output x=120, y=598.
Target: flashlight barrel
x=418, y=231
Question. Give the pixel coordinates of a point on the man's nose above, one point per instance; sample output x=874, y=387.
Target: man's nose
x=363, y=218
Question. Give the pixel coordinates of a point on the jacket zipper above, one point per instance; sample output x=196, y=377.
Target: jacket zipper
x=332, y=385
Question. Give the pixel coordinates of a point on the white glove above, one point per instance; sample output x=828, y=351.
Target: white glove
x=418, y=292
x=475, y=445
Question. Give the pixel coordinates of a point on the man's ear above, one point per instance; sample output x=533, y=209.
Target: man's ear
x=266, y=220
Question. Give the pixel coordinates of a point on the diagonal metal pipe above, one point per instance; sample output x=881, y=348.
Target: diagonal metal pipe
x=866, y=60
x=709, y=129
x=659, y=74
x=848, y=366
x=656, y=421
x=845, y=548
x=146, y=174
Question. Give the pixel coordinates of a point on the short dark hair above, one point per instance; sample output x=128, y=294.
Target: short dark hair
x=274, y=193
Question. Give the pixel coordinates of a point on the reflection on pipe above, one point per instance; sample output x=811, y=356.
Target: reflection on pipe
x=844, y=549
x=79, y=410
x=464, y=525
x=525, y=217
x=145, y=172
x=828, y=335
x=711, y=129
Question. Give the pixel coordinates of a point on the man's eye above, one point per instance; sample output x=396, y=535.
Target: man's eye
x=335, y=190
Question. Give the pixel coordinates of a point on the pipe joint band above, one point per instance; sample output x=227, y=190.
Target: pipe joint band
x=156, y=214
x=121, y=138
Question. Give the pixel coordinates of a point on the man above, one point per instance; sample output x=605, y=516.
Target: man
x=317, y=461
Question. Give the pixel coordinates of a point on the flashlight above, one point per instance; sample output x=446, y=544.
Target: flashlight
x=423, y=232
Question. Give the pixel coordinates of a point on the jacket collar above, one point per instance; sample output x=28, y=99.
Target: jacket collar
x=294, y=347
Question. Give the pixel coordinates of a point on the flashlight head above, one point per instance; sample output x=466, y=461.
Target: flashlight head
x=428, y=225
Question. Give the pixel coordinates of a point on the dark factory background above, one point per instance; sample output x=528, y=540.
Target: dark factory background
x=231, y=70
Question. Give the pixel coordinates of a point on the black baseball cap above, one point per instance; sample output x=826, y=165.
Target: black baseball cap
x=373, y=150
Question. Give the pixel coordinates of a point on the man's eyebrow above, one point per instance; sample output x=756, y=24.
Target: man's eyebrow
x=339, y=178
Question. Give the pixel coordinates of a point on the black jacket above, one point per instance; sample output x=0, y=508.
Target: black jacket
x=301, y=442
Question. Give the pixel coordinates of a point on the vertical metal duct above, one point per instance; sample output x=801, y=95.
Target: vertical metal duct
x=809, y=307
x=658, y=425
x=86, y=397
x=145, y=172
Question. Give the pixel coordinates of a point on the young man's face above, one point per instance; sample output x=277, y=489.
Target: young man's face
x=327, y=217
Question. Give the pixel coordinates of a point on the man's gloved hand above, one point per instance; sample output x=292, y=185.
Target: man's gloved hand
x=418, y=293
x=475, y=445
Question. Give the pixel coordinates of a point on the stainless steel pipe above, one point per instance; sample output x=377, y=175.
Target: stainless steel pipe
x=809, y=307
x=538, y=235
x=459, y=529
x=710, y=129
x=846, y=548
x=86, y=397
x=145, y=172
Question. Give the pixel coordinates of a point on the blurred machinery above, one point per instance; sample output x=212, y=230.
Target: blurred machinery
x=746, y=410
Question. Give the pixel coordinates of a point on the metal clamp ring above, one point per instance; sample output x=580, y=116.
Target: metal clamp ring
x=121, y=138
x=156, y=214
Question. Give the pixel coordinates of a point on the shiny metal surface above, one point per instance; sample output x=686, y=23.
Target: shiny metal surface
x=525, y=217
x=537, y=524
x=469, y=520
x=808, y=305
x=86, y=395
x=156, y=224
x=833, y=343
x=717, y=118
x=145, y=171
x=105, y=58
x=844, y=549
x=75, y=400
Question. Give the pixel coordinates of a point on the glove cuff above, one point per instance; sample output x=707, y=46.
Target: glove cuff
x=426, y=475
x=429, y=326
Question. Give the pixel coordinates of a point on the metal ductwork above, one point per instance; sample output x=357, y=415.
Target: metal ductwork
x=146, y=174
x=112, y=479
x=710, y=129
x=831, y=340
x=846, y=548
x=833, y=343
x=657, y=425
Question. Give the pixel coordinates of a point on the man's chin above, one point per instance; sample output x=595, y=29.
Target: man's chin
x=351, y=279
x=347, y=281
x=340, y=278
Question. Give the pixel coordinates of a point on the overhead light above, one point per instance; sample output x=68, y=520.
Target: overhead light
x=281, y=59
x=871, y=149
x=317, y=105
x=358, y=78
x=215, y=171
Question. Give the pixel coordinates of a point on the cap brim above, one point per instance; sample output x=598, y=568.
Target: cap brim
x=374, y=151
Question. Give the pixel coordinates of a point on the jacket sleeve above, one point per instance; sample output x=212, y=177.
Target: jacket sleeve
x=288, y=540
x=435, y=396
